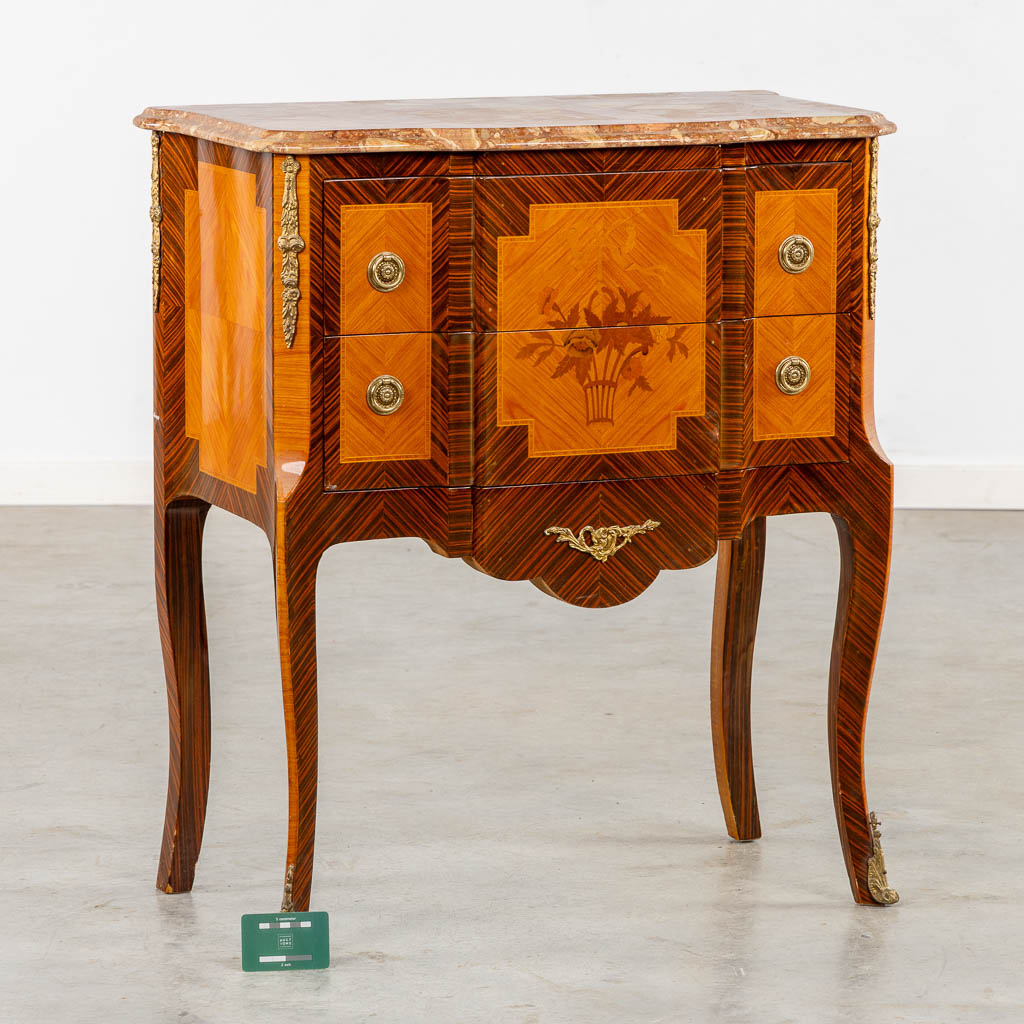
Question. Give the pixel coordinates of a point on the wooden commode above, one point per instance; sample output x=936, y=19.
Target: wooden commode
x=573, y=340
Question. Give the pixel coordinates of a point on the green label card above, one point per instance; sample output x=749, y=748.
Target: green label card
x=288, y=942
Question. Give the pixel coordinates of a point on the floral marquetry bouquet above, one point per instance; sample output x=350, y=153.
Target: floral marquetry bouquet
x=610, y=349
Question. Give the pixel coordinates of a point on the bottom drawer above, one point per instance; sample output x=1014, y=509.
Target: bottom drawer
x=796, y=389
x=385, y=411
x=595, y=544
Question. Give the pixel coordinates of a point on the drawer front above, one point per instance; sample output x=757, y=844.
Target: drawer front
x=385, y=256
x=595, y=544
x=385, y=411
x=566, y=251
x=800, y=259
x=596, y=403
x=796, y=389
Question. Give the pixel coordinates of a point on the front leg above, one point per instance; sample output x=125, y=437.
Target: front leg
x=296, y=625
x=737, y=600
x=864, y=544
x=182, y=618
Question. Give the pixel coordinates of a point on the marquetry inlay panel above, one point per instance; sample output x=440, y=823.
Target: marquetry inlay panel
x=225, y=316
x=601, y=340
x=578, y=257
x=778, y=215
x=366, y=436
x=594, y=390
x=812, y=412
x=366, y=230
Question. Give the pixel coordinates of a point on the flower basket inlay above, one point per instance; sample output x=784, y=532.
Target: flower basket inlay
x=601, y=360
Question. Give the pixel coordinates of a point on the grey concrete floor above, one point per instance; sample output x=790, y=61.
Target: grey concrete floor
x=518, y=813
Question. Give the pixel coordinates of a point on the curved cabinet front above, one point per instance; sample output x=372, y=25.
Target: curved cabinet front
x=595, y=544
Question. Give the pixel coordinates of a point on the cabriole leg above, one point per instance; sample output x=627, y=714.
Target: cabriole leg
x=737, y=599
x=864, y=550
x=182, y=617
x=296, y=624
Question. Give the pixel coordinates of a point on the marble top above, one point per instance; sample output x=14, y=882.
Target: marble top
x=516, y=122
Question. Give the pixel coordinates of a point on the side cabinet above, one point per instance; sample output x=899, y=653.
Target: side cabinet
x=572, y=340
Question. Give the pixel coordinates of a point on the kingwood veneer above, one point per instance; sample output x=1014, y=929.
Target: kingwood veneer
x=591, y=358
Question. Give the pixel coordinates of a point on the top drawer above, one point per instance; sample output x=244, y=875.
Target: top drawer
x=571, y=251
x=385, y=256
x=799, y=219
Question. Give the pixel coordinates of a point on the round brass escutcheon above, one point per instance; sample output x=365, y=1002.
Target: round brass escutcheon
x=386, y=271
x=385, y=394
x=796, y=254
x=792, y=375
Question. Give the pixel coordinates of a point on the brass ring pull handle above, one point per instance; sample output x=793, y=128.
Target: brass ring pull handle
x=385, y=394
x=792, y=375
x=796, y=254
x=386, y=271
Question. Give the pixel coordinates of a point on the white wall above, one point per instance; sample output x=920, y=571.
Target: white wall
x=75, y=409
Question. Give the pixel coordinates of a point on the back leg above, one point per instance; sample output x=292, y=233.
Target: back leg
x=182, y=617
